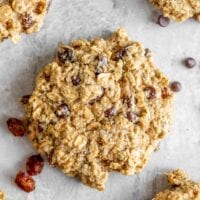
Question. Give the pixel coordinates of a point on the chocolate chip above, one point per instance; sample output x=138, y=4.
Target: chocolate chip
x=25, y=99
x=110, y=112
x=62, y=111
x=166, y=93
x=76, y=80
x=150, y=92
x=190, y=62
x=120, y=54
x=27, y=21
x=176, y=86
x=66, y=54
x=131, y=116
x=147, y=52
x=163, y=21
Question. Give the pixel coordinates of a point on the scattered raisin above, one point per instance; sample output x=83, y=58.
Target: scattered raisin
x=16, y=126
x=110, y=112
x=25, y=182
x=34, y=165
x=25, y=99
x=62, y=111
x=66, y=54
x=129, y=101
x=76, y=80
x=131, y=116
x=101, y=65
x=150, y=92
x=27, y=21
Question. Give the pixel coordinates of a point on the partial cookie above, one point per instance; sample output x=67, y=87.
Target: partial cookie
x=178, y=10
x=21, y=16
x=2, y=195
x=101, y=106
x=182, y=188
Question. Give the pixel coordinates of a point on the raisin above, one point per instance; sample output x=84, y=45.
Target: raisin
x=103, y=61
x=120, y=54
x=62, y=111
x=27, y=21
x=40, y=127
x=25, y=182
x=131, y=116
x=176, y=86
x=166, y=93
x=147, y=52
x=76, y=80
x=34, y=165
x=129, y=101
x=98, y=98
x=40, y=7
x=110, y=112
x=25, y=99
x=66, y=54
x=16, y=127
x=150, y=92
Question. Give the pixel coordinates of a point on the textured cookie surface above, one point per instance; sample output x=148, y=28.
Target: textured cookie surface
x=100, y=106
x=17, y=16
x=2, y=195
x=182, y=188
x=179, y=10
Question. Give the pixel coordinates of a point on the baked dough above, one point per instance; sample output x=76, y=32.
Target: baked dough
x=182, y=188
x=101, y=106
x=2, y=195
x=178, y=10
x=17, y=16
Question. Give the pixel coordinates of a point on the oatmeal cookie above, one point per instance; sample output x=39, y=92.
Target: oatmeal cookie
x=182, y=188
x=178, y=10
x=2, y=195
x=100, y=106
x=17, y=16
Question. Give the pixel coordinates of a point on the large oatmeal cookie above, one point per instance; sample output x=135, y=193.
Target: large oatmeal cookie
x=179, y=10
x=2, y=195
x=17, y=16
x=182, y=188
x=100, y=106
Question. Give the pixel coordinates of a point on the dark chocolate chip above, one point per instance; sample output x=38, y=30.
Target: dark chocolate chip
x=190, y=62
x=175, y=86
x=25, y=99
x=76, y=80
x=66, y=54
x=150, y=92
x=110, y=112
x=163, y=21
x=62, y=111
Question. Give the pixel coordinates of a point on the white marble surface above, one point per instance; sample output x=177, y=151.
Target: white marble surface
x=87, y=18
